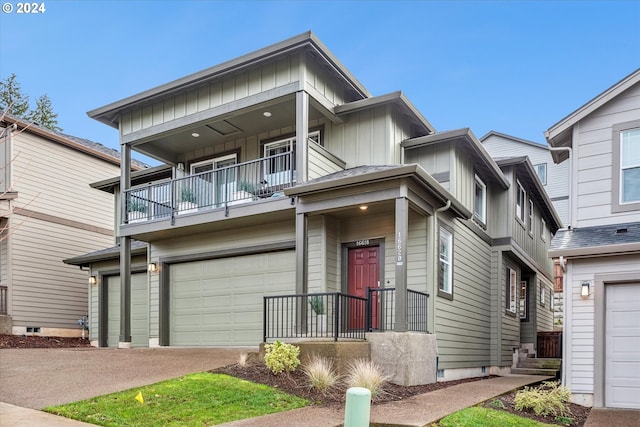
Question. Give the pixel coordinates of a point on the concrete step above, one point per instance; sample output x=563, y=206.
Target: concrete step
x=533, y=371
x=540, y=363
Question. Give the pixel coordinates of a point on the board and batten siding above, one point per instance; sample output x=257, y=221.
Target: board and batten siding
x=236, y=238
x=593, y=154
x=324, y=84
x=53, y=179
x=580, y=316
x=435, y=159
x=557, y=186
x=463, y=324
x=210, y=95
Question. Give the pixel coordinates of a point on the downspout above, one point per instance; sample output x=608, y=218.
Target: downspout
x=570, y=150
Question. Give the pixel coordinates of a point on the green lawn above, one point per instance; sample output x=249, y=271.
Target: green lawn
x=477, y=416
x=201, y=399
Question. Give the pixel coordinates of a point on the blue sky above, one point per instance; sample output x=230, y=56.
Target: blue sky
x=516, y=67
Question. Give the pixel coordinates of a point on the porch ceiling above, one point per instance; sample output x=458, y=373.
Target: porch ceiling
x=170, y=146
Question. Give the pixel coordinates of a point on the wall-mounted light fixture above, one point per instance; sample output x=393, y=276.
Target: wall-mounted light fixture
x=585, y=289
x=93, y=280
x=153, y=267
x=364, y=207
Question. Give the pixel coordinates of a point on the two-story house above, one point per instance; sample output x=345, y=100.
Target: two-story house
x=283, y=177
x=48, y=213
x=600, y=253
x=553, y=177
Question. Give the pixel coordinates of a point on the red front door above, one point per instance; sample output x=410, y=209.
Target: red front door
x=364, y=267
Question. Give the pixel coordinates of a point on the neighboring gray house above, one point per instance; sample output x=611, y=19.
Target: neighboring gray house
x=554, y=177
x=601, y=252
x=48, y=213
x=282, y=175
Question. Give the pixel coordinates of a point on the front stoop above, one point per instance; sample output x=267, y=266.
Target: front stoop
x=535, y=366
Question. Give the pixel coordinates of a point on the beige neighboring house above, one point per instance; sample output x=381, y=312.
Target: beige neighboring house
x=600, y=253
x=48, y=212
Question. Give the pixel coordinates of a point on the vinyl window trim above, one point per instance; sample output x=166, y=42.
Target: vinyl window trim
x=617, y=204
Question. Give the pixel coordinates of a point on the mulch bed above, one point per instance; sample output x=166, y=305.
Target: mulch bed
x=30, y=341
x=295, y=383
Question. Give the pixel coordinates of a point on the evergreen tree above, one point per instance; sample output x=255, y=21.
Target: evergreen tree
x=43, y=115
x=12, y=100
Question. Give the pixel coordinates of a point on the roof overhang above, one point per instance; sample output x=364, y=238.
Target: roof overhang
x=466, y=135
x=561, y=134
x=142, y=176
x=107, y=254
x=395, y=98
x=370, y=175
x=596, y=251
x=109, y=114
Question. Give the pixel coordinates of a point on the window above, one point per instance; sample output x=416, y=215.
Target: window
x=626, y=163
x=524, y=314
x=541, y=171
x=280, y=165
x=543, y=229
x=543, y=291
x=512, y=283
x=445, y=272
x=630, y=166
x=480, y=201
x=521, y=198
x=531, y=217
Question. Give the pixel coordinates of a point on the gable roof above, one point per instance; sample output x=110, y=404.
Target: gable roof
x=396, y=98
x=109, y=114
x=484, y=159
x=535, y=186
x=598, y=241
x=561, y=134
x=513, y=138
x=86, y=146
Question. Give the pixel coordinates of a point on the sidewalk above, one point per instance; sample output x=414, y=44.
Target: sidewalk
x=17, y=416
x=416, y=411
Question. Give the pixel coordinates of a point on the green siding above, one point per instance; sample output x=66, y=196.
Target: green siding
x=510, y=324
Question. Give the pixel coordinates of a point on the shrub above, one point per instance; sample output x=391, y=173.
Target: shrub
x=548, y=398
x=365, y=373
x=280, y=357
x=320, y=374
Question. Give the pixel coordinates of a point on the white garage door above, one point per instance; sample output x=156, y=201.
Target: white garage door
x=139, y=311
x=219, y=302
x=622, y=371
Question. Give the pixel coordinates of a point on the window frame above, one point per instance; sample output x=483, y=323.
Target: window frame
x=617, y=206
x=537, y=168
x=531, y=217
x=543, y=229
x=520, y=204
x=478, y=182
x=523, y=301
x=511, y=300
x=447, y=232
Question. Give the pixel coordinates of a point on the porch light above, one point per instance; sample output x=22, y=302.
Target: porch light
x=585, y=289
x=364, y=207
x=93, y=280
x=267, y=114
x=153, y=267
x=195, y=134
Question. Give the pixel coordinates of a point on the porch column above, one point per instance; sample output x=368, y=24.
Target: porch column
x=402, y=233
x=301, y=253
x=302, y=136
x=125, y=253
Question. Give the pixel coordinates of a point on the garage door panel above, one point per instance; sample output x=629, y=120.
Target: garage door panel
x=622, y=332
x=139, y=311
x=228, y=299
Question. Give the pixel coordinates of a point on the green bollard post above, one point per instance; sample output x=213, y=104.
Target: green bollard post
x=358, y=407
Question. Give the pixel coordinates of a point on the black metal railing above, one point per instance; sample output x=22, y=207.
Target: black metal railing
x=381, y=306
x=3, y=300
x=223, y=187
x=321, y=315
x=339, y=316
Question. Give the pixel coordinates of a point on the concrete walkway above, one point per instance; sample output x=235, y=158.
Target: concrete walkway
x=599, y=417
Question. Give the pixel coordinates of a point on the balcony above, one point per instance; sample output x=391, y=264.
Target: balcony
x=220, y=188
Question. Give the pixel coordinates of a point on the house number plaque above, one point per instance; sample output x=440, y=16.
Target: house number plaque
x=364, y=242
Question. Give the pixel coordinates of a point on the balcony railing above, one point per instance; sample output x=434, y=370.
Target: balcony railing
x=3, y=300
x=218, y=188
x=338, y=316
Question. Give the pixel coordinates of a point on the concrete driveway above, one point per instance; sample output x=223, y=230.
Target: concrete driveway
x=37, y=378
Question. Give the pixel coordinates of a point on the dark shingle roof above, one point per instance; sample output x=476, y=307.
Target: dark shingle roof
x=594, y=237
x=102, y=148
